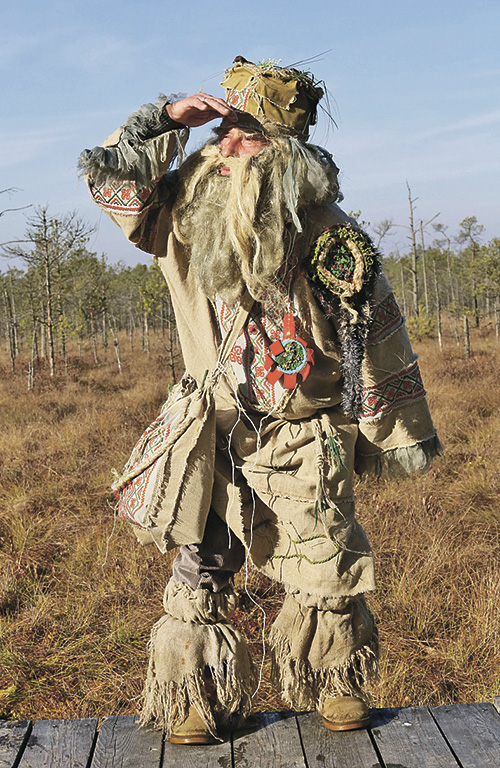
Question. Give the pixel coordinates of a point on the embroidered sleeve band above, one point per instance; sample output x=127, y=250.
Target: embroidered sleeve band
x=120, y=196
x=386, y=318
x=395, y=390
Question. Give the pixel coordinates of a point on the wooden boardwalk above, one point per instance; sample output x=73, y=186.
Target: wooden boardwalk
x=466, y=735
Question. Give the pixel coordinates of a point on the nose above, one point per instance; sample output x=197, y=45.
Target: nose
x=229, y=146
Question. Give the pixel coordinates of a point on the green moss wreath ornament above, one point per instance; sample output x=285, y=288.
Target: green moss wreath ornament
x=344, y=260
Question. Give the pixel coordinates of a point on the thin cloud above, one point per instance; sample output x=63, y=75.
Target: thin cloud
x=479, y=121
x=93, y=52
x=486, y=73
x=18, y=147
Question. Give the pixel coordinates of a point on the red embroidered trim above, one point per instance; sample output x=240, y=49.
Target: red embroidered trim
x=121, y=196
x=397, y=389
x=387, y=318
x=250, y=351
x=132, y=495
x=238, y=99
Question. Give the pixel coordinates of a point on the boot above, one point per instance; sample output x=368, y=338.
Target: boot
x=344, y=713
x=192, y=730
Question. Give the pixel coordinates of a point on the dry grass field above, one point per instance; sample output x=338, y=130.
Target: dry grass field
x=78, y=595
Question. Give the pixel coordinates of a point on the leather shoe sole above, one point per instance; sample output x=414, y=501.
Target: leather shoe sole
x=195, y=738
x=348, y=726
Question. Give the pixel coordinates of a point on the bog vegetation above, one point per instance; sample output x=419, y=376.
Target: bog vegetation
x=87, y=354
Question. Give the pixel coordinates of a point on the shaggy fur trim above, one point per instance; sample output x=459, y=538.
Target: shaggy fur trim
x=400, y=462
x=143, y=145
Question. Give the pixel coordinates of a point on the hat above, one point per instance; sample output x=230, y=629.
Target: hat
x=283, y=95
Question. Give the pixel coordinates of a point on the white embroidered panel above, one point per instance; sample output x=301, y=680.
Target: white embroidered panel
x=248, y=354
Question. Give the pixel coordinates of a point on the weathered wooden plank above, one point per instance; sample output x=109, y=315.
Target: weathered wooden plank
x=59, y=744
x=193, y=756
x=123, y=744
x=273, y=741
x=473, y=732
x=325, y=749
x=13, y=736
x=409, y=737
x=496, y=703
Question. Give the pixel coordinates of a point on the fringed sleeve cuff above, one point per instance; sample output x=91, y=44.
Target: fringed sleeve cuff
x=401, y=461
x=141, y=151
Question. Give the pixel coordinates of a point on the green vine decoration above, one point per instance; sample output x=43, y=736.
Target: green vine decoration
x=334, y=260
x=299, y=556
x=335, y=454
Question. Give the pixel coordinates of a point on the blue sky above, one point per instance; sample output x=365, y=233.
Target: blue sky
x=415, y=87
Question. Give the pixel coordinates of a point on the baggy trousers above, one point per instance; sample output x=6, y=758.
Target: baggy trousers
x=320, y=647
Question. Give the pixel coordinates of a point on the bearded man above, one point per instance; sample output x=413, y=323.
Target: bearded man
x=321, y=382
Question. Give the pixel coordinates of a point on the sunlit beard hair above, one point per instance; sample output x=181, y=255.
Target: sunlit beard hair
x=233, y=225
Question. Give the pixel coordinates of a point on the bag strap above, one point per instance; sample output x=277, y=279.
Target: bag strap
x=242, y=313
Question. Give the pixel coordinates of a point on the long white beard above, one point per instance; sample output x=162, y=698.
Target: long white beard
x=232, y=227
x=241, y=229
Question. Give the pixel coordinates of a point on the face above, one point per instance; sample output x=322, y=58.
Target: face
x=236, y=143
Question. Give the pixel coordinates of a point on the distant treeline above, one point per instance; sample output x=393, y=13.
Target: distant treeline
x=62, y=291
x=459, y=277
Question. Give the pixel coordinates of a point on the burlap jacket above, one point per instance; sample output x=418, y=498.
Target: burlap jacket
x=284, y=481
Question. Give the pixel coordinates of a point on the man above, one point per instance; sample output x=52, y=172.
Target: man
x=320, y=383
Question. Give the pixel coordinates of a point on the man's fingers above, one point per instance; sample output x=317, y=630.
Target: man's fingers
x=216, y=104
x=199, y=109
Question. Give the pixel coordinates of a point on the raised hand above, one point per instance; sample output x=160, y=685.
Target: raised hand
x=199, y=109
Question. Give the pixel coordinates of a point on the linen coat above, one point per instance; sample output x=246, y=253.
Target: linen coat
x=285, y=458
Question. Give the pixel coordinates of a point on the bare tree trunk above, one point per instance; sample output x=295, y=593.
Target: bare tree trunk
x=104, y=321
x=497, y=318
x=59, y=300
x=15, y=336
x=414, y=254
x=93, y=335
x=44, y=243
x=131, y=325
x=145, y=332
x=424, y=271
x=8, y=339
x=438, y=305
x=34, y=327
x=453, y=296
x=43, y=341
x=475, y=303
x=450, y=277
x=9, y=329
x=403, y=291
x=116, y=344
x=466, y=337
x=31, y=363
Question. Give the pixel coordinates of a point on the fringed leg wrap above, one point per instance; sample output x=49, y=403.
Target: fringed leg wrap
x=197, y=659
x=322, y=648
